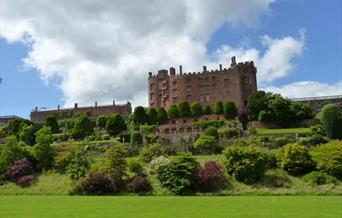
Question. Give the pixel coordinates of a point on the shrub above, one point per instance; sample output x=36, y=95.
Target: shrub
x=196, y=109
x=25, y=180
x=115, y=124
x=162, y=116
x=79, y=164
x=205, y=144
x=139, y=184
x=331, y=119
x=229, y=133
x=247, y=164
x=63, y=159
x=27, y=134
x=218, y=109
x=184, y=109
x=20, y=168
x=329, y=158
x=136, y=138
x=281, y=141
x=276, y=179
x=156, y=163
x=139, y=115
x=101, y=121
x=151, y=138
x=230, y=110
x=152, y=116
x=151, y=151
x=179, y=174
x=317, y=130
x=51, y=122
x=319, y=178
x=212, y=131
x=83, y=127
x=115, y=160
x=135, y=166
x=97, y=184
x=2, y=133
x=210, y=177
x=296, y=160
x=172, y=112
x=207, y=110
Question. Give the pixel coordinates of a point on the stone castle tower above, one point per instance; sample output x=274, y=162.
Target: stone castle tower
x=235, y=84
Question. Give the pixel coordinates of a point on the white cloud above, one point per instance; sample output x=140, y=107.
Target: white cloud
x=304, y=89
x=102, y=50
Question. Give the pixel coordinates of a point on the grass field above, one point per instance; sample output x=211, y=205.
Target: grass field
x=283, y=131
x=149, y=207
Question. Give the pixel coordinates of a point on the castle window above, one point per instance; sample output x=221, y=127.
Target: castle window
x=189, y=129
x=174, y=99
x=174, y=83
x=167, y=131
x=188, y=98
x=214, y=77
x=226, y=82
x=152, y=96
x=174, y=90
x=207, y=97
x=174, y=130
x=201, y=98
x=188, y=88
x=184, y=121
x=173, y=121
x=181, y=130
x=151, y=86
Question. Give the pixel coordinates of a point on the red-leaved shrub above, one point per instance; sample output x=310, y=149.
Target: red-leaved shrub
x=97, y=184
x=18, y=169
x=116, y=182
x=25, y=180
x=139, y=184
x=210, y=177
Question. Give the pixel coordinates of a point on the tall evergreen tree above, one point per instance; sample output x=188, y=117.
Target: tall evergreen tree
x=230, y=110
x=196, y=109
x=184, y=109
x=152, y=116
x=139, y=115
x=162, y=116
x=173, y=112
x=51, y=122
x=218, y=107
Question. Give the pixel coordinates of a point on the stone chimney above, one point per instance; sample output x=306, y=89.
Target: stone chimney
x=204, y=68
x=149, y=74
x=58, y=107
x=172, y=71
x=220, y=67
x=95, y=103
x=113, y=102
x=233, y=62
x=76, y=105
x=180, y=69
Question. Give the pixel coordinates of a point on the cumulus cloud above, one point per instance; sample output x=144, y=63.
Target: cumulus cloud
x=102, y=50
x=304, y=89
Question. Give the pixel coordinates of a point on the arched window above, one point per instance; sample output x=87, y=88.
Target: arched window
x=167, y=131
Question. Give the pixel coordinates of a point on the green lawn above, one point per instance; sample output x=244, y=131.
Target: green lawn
x=283, y=131
x=149, y=207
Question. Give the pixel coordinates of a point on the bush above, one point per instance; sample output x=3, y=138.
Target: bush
x=179, y=174
x=79, y=164
x=162, y=116
x=230, y=110
x=2, y=133
x=218, y=109
x=210, y=177
x=247, y=164
x=152, y=116
x=25, y=180
x=331, y=119
x=184, y=109
x=196, y=109
x=115, y=160
x=20, y=168
x=229, y=133
x=151, y=138
x=139, y=115
x=205, y=144
x=115, y=124
x=151, y=151
x=156, y=163
x=97, y=184
x=276, y=179
x=63, y=159
x=172, y=112
x=136, y=138
x=101, y=121
x=207, y=110
x=212, y=131
x=296, y=160
x=83, y=127
x=317, y=130
x=135, y=166
x=328, y=158
x=51, y=122
x=139, y=184
x=319, y=178
x=27, y=134
x=42, y=151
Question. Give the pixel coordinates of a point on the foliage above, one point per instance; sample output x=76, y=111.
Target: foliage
x=296, y=160
x=179, y=174
x=317, y=130
x=42, y=150
x=25, y=180
x=205, y=144
x=51, y=122
x=172, y=112
x=44, y=136
x=115, y=160
x=79, y=164
x=139, y=184
x=229, y=133
x=115, y=124
x=329, y=158
x=210, y=177
x=152, y=116
x=319, y=178
x=101, y=121
x=206, y=123
x=13, y=126
x=331, y=119
x=256, y=102
x=18, y=169
x=139, y=115
x=2, y=133
x=136, y=138
x=196, y=109
x=27, y=134
x=97, y=184
x=207, y=109
x=151, y=151
x=247, y=164
x=135, y=166
x=156, y=163
x=212, y=131
x=151, y=138
x=83, y=127
x=184, y=109
x=229, y=110
x=218, y=109
x=162, y=116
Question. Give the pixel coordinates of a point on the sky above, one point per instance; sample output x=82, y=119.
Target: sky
x=62, y=52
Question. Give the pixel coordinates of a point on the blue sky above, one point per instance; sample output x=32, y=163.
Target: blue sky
x=22, y=88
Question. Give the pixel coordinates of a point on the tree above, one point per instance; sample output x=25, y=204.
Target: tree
x=83, y=127
x=101, y=121
x=207, y=109
x=256, y=102
x=205, y=144
x=230, y=110
x=42, y=150
x=115, y=124
x=139, y=115
x=27, y=135
x=331, y=119
x=184, y=109
x=152, y=116
x=162, y=116
x=51, y=122
x=196, y=109
x=115, y=160
x=13, y=126
x=218, y=107
x=173, y=112
x=212, y=131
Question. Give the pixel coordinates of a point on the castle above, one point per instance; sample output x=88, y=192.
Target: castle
x=235, y=84
x=39, y=116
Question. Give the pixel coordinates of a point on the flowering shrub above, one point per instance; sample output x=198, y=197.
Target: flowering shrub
x=210, y=177
x=139, y=184
x=20, y=168
x=156, y=163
